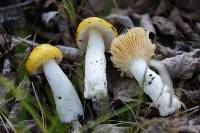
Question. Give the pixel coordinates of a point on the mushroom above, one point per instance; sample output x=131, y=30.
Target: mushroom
x=131, y=52
x=95, y=35
x=68, y=104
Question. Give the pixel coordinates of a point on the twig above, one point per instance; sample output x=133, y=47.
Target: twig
x=17, y=5
x=69, y=52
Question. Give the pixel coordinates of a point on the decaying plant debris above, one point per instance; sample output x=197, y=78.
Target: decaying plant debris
x=26, y=102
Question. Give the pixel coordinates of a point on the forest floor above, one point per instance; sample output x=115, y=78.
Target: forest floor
x=26, y=101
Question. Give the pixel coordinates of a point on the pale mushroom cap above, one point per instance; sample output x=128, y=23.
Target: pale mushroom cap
x=107, y=30
x=133, y=44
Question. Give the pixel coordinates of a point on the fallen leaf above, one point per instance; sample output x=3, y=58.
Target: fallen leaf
x=164, y=25
x=123, y=20
x=126, y=90
x=192, y=95
x=188, y=5
x=167, y=51
x=147, y=24
x=183, y=46
x=50, y=18
x=184, y=26
x=110, y=128
x=184, y=123
x=122, y=88
x=182, y=66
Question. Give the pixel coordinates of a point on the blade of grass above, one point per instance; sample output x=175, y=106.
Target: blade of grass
x=115, y=4
x=10, y=85
x=9, y=123
x=109, y=115
x=128, y=107
x=70, y=10
x=41, y=109
x=4, y=125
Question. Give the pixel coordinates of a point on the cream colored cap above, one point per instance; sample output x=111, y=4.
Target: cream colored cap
x=133, y=44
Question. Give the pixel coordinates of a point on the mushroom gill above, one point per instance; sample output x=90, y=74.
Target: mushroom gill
x=133, y=44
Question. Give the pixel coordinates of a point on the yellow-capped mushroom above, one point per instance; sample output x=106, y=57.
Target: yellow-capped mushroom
x=94, y=35
x=40, y=55
x=45, y=57
x=130, y=53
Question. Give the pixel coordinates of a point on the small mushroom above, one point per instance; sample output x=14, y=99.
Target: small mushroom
x=95, y=35
x=67, y=102
x=131, y=52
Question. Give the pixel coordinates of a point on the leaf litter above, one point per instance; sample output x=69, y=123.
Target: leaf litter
x=174, y=28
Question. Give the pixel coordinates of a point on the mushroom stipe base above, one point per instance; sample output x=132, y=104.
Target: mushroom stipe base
x=163, y=97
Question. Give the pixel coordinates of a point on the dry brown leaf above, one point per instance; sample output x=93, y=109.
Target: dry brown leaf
x=164, y=26
x=192, y=95
x=184, y=26
x=50, y=18
x=122, y=88
x=167, y=51
x=126, y=90
x=189, y=9
x=188, y=122
x=123, y=20
x=110, y=128
x=182, y=66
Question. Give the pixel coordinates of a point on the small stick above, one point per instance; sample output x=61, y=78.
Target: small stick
x=17, y=5
x=68, y=52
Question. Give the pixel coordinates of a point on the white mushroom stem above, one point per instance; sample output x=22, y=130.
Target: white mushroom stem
x=95, y=67
x=162, y=96
x=67, y=102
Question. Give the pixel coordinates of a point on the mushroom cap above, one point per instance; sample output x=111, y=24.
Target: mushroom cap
x=107, y=30
x=40, y=55
x=133, y=44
